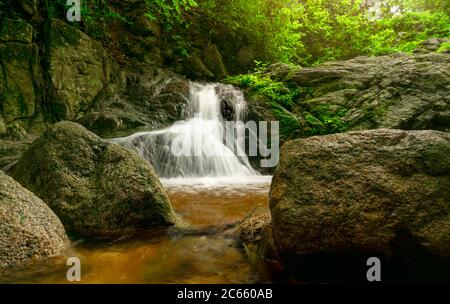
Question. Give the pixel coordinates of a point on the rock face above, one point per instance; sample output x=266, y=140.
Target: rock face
x=21, y=76
x=380, y=191
x=95, y=187
x=79, y=69
x=29, y=230
x=408, y=92
x=151, y=97
x=206, y=63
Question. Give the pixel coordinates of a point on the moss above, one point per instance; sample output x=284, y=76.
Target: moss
x=78, y=175
x=15, y=30
x=290, y=126
x=61, y=35
x=445, y=47
x=324, y=119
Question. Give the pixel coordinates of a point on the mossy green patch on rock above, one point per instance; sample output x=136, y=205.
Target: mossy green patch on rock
x=19, y=63
x=79, y=69
x=15, y=30
x=94, y=186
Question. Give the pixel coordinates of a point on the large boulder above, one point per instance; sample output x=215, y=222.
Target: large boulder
x=95, y=187
x=29, y=230
x=382, y=192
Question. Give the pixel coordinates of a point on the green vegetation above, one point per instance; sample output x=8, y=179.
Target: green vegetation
x=310, y=32
x=445, y=47
x=305, y=32
x=404, y=33
x=324, y=120
x=283, y=98
x=96, y=15
x=297, y=32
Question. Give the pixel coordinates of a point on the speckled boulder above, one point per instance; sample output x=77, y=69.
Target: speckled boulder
x=29, y=230
x=371, y=191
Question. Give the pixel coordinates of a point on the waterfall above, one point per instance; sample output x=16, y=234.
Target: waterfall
x=195, y=147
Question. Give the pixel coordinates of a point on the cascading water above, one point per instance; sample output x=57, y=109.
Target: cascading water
x=196, y=146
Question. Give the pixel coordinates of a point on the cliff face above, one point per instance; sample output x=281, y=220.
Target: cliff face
x=112, y=83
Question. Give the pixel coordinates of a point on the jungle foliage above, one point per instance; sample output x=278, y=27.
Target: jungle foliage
x=306, y=32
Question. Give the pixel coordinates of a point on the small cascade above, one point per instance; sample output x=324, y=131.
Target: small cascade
x=197, y=147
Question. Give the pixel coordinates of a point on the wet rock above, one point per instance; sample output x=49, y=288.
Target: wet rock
x=29, y=230
x=15, y=30
x=148, y=99
x=95, y=187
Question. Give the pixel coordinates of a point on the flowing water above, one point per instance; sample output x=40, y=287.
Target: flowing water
x=196, y=147
x=206, y=190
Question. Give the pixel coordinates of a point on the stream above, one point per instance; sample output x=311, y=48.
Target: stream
x=209, y=185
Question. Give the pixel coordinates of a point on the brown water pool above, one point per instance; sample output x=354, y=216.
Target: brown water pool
x=168, y=256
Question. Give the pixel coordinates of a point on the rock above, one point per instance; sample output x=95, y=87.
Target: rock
x=205, y=62
x=15, y=30
x=79, y=69
x=95, y=187
x=29, y=230
x=399, y=91
x=246, y=56
x=214, y=62
x=147, y=27
x=20, y=62
x=101, y=123
x=21, y=80
x=2, y=127
x=250, y=230
x=10, y=151
x=196, y=67
x=431, y=45
x=150, y=99
x=29, y=7
x=374, y=192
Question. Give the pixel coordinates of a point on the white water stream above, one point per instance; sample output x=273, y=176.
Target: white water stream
x=193, y=151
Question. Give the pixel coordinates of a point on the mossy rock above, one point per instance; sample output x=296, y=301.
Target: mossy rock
x=20, y=64
x=95, y=187
x=79, y=69
x=15, y=30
